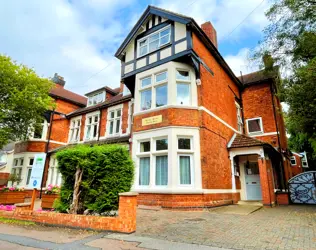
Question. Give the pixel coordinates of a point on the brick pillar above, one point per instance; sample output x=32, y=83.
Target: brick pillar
x=127, y=211
x=266, y=180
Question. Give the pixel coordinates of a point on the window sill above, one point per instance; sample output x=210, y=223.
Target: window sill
x=164, y=107
x=155, y=190
x=255, y=133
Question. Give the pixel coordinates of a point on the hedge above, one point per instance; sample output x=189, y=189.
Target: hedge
x=107, y=170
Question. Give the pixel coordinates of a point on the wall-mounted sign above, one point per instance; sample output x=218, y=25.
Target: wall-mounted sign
x=37, y=171
x=152, y=120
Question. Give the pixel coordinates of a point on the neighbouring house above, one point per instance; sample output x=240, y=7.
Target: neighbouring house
x=298, y=163
x=106, y=120
x=6, y=160
x=50, y=134
x=199, y=135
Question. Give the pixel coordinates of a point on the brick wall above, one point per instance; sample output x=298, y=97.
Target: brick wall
x=217, y=94
x=65, y=107
x=187, y=201
x=257, y=102
x=170, y=117
x=266, y=181
x=125, y=222
x=125, y=117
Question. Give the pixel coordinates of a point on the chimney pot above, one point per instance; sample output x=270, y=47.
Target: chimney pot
x=209, y=30
x=59, y=80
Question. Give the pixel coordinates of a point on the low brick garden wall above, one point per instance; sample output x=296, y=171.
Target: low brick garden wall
x=125, y=222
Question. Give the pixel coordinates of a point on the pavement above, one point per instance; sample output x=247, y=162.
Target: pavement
x=41, y=237
x=231, y=227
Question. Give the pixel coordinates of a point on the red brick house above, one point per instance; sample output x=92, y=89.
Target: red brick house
x=106, y=119
x=200, y=135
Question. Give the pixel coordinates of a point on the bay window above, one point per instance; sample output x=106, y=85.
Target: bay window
x=114, y=120
x=74, y=132
x=154, y=41
x=167, y=159
x=92, y=127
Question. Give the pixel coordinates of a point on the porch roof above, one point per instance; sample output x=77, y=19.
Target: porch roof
x=242, y=141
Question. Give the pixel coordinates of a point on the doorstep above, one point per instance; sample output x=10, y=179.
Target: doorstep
x=250, y=203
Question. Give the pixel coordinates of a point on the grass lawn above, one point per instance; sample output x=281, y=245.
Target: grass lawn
x=16, y=222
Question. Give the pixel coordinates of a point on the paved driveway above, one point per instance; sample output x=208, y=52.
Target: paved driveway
x=287, y=227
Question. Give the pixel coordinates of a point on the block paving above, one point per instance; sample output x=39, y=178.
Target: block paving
x=283, y=227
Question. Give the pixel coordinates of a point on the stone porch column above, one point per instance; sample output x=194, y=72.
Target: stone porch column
x=266, y=180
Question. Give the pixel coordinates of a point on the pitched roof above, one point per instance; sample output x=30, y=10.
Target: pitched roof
x=257, y=77
x=107, y=103
x=242, y=141
x=58, y=92
x=106, y=88
x=182, y=19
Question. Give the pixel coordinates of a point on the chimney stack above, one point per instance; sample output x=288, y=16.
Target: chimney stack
x=210, y=32
x=59, y=80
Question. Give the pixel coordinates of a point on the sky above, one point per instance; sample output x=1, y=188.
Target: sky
x=78, y=38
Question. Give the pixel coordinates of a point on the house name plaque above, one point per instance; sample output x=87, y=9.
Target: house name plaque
x=152, y=120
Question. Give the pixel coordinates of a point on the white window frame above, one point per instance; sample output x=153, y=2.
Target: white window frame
x=240, y=123
x=147, y=43
x=261, y=126
x=153, y=86
x=171, y=67
x=293, y=158
x=54, y=176
x=191, y=170
x=184, y=82
x=98, y=97
x=114, y=120
x=93, y=123
x=44, y=125
x=186, y=152
x=155, y=153
x=72, y=129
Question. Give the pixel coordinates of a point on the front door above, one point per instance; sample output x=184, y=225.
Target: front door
x=252, y=179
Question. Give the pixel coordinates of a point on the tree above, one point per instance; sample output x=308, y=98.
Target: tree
x=23, y=100
x=290, y=38
x=93, y=177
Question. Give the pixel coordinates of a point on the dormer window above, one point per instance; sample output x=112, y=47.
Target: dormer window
x=154, y=41
x=96, y=98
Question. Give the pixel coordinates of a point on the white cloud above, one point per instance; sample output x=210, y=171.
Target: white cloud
x=75, y=40
x=225, y=15
x=241, y=62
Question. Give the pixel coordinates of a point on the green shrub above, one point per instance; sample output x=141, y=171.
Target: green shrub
x=107, y=171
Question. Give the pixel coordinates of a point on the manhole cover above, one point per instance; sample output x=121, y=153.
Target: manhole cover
x=195, y=219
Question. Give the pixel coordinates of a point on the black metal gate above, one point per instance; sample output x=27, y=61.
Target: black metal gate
x=302, y=188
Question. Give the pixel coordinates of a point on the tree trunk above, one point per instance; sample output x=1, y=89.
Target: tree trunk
x=75, y=199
